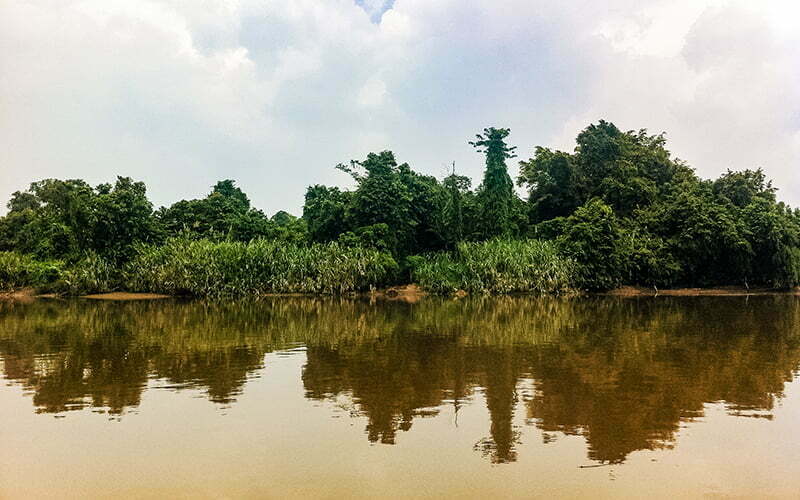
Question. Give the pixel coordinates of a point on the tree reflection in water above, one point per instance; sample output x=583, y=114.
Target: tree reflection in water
x=622, y=373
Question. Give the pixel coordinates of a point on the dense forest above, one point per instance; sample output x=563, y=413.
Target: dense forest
x=618, y=210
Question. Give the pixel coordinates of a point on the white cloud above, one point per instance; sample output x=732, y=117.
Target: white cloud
x=181, y=93
x=372, y=94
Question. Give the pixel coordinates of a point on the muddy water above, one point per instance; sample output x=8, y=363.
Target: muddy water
x=295, y=397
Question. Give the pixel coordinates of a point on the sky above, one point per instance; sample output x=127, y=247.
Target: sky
x=274, y=94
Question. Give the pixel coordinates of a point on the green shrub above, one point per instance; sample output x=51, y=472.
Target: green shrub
x=593, y=238
x=497, y=267
x=92, y=274
x=20, y=271
x=204, y=268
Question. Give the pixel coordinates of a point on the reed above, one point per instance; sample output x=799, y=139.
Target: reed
x=217, y=269
x=498, y=267
x=91, y=274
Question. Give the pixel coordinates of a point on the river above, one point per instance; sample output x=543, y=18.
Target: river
x=304, y=397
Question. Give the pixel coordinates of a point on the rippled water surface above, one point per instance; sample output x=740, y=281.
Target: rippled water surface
x=590, y=397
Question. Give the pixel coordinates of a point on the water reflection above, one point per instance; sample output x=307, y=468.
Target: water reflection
x=622, y=373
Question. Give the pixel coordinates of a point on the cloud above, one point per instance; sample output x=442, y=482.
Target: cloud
x=182, y=93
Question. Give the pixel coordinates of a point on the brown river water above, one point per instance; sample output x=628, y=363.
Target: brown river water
x=299, y=397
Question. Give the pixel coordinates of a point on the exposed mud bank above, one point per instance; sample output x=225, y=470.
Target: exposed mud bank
x=632, y=291
x=414, y=293
x=125, y=296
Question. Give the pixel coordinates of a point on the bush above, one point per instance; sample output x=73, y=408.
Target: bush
x=204, y=268
x=593, y=238
x=497, y=267
x=21, y=271
x=92, y=274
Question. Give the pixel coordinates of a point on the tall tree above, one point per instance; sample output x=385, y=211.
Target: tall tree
x=324, y=212
x=456, y=210
x=381, y=198
x=224, y=213
x=122, y=216
x=426, y=210
x=553, y=184
x=496, y=193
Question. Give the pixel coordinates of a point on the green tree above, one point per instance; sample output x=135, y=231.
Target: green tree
x=458, y=209
x=610, y=170
x=224, y=214
x=324, y=212
x=773, y=234
x=52, y=219
x=553, y=184
x=495, y=195
x=229, y=191
x=123, y=216
x=705, y=236
x=742, y=188
x=426, y=210
x=593, y=237
x=628, y=170
x=287, y=227
x=381, y=198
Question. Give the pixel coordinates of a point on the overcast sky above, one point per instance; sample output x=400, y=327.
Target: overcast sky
x=273, y=94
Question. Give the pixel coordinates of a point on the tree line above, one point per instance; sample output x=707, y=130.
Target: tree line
x=619, y=209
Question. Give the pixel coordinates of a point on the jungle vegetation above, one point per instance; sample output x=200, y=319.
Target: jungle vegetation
x=618, y=210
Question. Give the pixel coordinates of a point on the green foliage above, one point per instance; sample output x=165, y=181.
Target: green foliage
x=377, y=236
x=497, y=267
x=286, y=227
x=627, y=170
x=387, y=195
x=552, y=182
x=459, y=209
x=495, y=195
x=619, y=208
x=648, y=260
x=91, y=274
x=50, y=220
x=426, y=211
x=703, y=235
x=745, y=187
x=122, y=216
x=604, y=156
x=204, y=268
x=548, y=229
x=58, y=219
x=19, y=271
x=381, y=198
x=592, y=237
x=324, y=212
x=665, y=226
x=225, y=214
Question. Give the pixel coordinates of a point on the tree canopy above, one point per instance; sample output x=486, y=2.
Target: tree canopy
x=620, y=205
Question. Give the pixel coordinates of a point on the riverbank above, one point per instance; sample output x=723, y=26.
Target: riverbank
x=633, y=291
x=413, y=293
x=125, y=296
x=261, y=268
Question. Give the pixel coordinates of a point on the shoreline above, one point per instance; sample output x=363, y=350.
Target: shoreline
x=412, y=293
x=722, y=291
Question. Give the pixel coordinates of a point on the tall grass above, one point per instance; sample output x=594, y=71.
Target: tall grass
x=21, y=271
x=230, y=269
x=91, y=274
x=498, y=267
x=208, y=269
